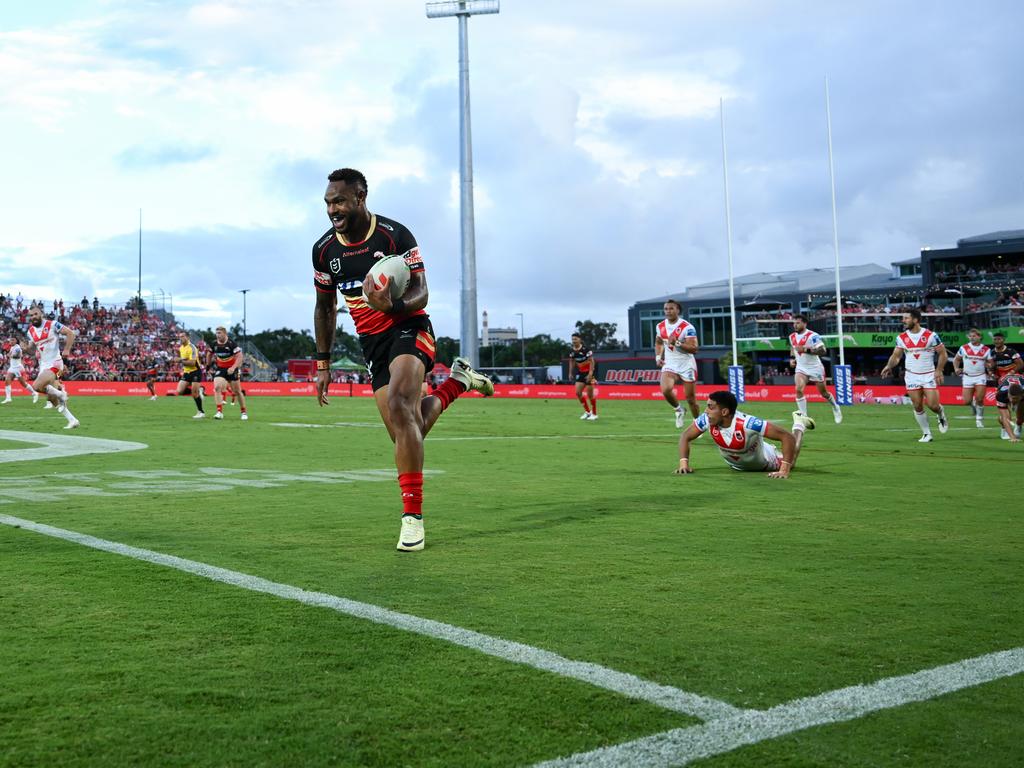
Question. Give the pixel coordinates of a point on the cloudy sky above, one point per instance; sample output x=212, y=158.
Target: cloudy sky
x=596, y=144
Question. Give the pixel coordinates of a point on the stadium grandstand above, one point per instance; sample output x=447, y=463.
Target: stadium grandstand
x=979, y=283
x=117, y=342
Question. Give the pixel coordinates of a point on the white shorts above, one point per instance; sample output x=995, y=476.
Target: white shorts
x=685, y=372
x=15, y=370
x=56, y=366
x=920, y=380
x=975, y=381
x=767, y=459
x=812, y=374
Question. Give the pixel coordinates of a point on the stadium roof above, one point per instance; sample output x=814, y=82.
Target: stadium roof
x=993, y=238
x=863, y=277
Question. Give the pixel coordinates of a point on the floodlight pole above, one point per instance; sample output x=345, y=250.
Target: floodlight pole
x=245, y=332
x=138, y=299
x=522, y=344
x=469, y=343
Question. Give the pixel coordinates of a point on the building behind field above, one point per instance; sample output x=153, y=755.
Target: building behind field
x=976, y=284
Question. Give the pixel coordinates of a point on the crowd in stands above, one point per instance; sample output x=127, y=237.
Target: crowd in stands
x=995, y=270
x=113, y=343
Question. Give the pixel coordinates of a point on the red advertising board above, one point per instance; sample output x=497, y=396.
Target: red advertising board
x=755, y=393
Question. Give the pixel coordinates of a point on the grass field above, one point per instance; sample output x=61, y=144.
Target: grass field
x=880, y=557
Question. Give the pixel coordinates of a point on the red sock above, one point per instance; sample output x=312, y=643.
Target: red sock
x=448, y=392
x=593, y=405
x=586, y=407
x=411, y=484
x=220, y=407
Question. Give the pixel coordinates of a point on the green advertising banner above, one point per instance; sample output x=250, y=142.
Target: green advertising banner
x=952, y=340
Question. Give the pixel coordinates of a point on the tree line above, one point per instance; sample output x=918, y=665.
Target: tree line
x=286, y=344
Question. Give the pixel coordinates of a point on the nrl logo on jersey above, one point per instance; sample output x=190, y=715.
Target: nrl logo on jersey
x=335, y=265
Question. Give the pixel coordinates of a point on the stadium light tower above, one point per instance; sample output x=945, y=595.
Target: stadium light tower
x=245, y=333
x=469, y=345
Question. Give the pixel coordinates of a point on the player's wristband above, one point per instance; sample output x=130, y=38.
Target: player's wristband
x=684, y=463
x=397, y=306
x=323, y=365
x=787, y=463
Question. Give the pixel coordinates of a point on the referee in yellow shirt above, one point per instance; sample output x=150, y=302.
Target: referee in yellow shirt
x=191, y=376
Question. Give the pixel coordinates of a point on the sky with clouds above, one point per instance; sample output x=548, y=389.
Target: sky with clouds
x=597, y=150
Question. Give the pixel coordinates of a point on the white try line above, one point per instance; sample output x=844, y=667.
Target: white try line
x=682, y=746
x=634, y=687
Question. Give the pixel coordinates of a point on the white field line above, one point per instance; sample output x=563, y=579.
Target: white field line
x=682, y=746
x=634, y=687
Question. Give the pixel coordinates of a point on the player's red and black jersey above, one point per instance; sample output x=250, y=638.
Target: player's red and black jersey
x=1003, y=393
x=224, y=355
x=342, y=267
x=1005, y=361
x=583, y=358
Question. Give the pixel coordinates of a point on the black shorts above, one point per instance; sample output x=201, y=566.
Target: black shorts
x=192, y=377
x=414, y=336
x=222, y=373
x=582, y=378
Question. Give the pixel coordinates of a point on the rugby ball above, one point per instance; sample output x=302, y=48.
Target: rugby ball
x=389, y=271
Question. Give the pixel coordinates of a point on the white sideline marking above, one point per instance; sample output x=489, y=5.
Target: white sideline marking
x=682, y=746
x=628, y=685
x=60, y=446
x=549, y=437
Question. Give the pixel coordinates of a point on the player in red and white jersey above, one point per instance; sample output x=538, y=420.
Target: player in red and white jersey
x=807, y=348
x=16, y=370
x=740, y=438
x=395, y=334
x=675, y=344
x=971, y=363
x=925, y=358
x=45, y=337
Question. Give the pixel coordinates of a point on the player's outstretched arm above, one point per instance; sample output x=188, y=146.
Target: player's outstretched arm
x=784, y=436
x=325, y=318
x=690, y=434
x=659, y=351
x=894, y=360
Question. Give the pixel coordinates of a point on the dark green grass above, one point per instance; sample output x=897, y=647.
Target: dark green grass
x=880, y=556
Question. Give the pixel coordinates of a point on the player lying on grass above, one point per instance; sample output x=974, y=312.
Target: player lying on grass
x=740, y=438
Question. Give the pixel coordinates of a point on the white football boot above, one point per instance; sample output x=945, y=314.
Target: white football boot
x=584, y=417
x=943, y=424
x=245, y=416
x=806, y=422
x=411, y=538
x=680, y=418
x=592, y=417
x=199, y=415
x=473, y=381
x=926, y=438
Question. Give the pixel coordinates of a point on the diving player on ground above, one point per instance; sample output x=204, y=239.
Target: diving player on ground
x=1010, y=402
x=396, y=336
x=740, y=438
x=582, y=358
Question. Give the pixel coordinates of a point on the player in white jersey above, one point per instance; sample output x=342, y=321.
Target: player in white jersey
x=16, y=370
x=740, y=438
x=675, y=344
x=806, y=348
x=45, y=337
x=924, y=372
x=971, y=363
